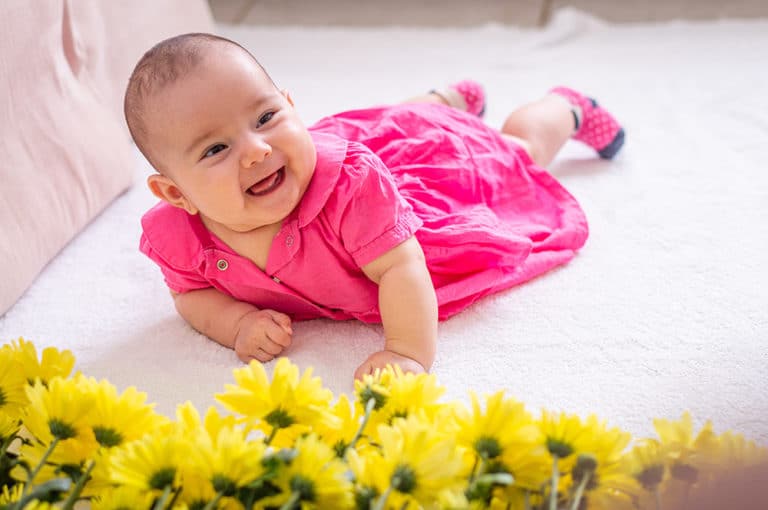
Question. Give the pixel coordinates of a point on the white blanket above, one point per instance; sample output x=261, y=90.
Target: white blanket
x=665, y=308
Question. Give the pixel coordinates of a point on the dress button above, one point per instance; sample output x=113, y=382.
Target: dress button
x=289, y=240
x=222, y=265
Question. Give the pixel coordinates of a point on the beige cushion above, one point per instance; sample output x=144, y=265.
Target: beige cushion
x=64, y=151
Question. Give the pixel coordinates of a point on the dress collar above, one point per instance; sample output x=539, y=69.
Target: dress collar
x=331, y=153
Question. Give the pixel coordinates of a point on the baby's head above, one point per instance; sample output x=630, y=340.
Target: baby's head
x=227, y=143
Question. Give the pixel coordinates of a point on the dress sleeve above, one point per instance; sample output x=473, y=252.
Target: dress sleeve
x=177, y=279
x=375, y=217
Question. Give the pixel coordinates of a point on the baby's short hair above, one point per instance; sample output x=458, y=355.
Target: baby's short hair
x=161, y=66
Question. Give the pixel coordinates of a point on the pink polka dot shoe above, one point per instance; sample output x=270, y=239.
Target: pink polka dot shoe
x=467, y=95
x=473, y=94
x=598, y=128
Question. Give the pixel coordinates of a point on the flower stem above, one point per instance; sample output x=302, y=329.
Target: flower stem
x=527, y=500
x=291, y=503
x=474, y=470
x=69, y=504
x=37, y=469
x=272, y=435
x=212, y=504
x=657, y=494
x=381, y=504
x=160, y=503
x=176, y=493
x=367, y=416
x=580, y=490
x=555, y=483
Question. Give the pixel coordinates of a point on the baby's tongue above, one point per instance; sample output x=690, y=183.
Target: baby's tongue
x=263, y=184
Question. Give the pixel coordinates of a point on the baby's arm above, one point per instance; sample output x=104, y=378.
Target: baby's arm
x=251, y=332
x=408, y=307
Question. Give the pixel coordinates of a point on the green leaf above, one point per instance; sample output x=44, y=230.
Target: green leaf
x=496, y=478
x=44, y=491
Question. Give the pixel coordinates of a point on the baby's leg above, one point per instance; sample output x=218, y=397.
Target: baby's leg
x=465, y=95
x=541, y=127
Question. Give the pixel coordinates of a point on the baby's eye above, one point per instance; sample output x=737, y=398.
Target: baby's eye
x=266, y=118
x=214, y=150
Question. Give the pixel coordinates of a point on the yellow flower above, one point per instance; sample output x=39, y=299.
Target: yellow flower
x=121, y=498
x=59, y=410
x=370, y=479
x=600, y=459
x=189, y=424
x=398, y=394
x=315, y=478
x=228, y=459
x=374, y=386
x=198, y=492
x=202, y=433
x=12, y=382
x=150, y=463
x=116, y=419
x=731, y=450
x=8, y=426
x=11, y=495
x=340, y=436
x=14, y=495
x=284, y=408
x=70, y=455
x=646, y=463
x=54, y=363
x=39, y=505
x=561, y=433
x=681, y=447
x=419, y=460
x=505, y=437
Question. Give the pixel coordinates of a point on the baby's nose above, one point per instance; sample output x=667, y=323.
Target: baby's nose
x=256, y=151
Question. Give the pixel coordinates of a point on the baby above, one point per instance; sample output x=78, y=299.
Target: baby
x=400, y=214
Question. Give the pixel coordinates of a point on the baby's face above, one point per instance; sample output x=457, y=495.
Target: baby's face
x=231, y=143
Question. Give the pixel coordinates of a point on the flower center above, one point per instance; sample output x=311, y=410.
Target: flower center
x=559, y=447
x=224, y=484
x=685, y=472
x=340, y=447
x=3, y=398
x=364, y=496
x=403, y=479
x=107, y=437
x=304, y=487
x=162, y=478
x=279, y=419
x=61, y=430
x=651, y=476
x=487, y=447
x=368, y=393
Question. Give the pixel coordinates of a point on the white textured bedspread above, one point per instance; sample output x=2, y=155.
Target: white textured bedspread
x=665, y=308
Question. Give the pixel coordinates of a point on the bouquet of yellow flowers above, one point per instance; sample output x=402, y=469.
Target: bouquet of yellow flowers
x=285, y=443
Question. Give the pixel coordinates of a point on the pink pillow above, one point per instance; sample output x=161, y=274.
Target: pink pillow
x=64, y=149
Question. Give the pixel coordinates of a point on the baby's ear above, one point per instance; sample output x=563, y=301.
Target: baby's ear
x=287, y=95
x=165, y=189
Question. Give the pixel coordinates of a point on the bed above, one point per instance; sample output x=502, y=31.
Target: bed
x=665, y=309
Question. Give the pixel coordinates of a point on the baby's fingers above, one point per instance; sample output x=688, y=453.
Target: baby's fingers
x=281, y=320
x=275, y=339
x=365, y=369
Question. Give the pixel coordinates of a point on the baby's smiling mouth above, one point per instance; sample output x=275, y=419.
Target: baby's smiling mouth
x=268, y=183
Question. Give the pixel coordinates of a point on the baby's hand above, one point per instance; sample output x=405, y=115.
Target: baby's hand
x=262, y=335
x=383, y=358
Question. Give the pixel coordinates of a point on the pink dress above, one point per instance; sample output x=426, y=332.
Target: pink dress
x=485, y=215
